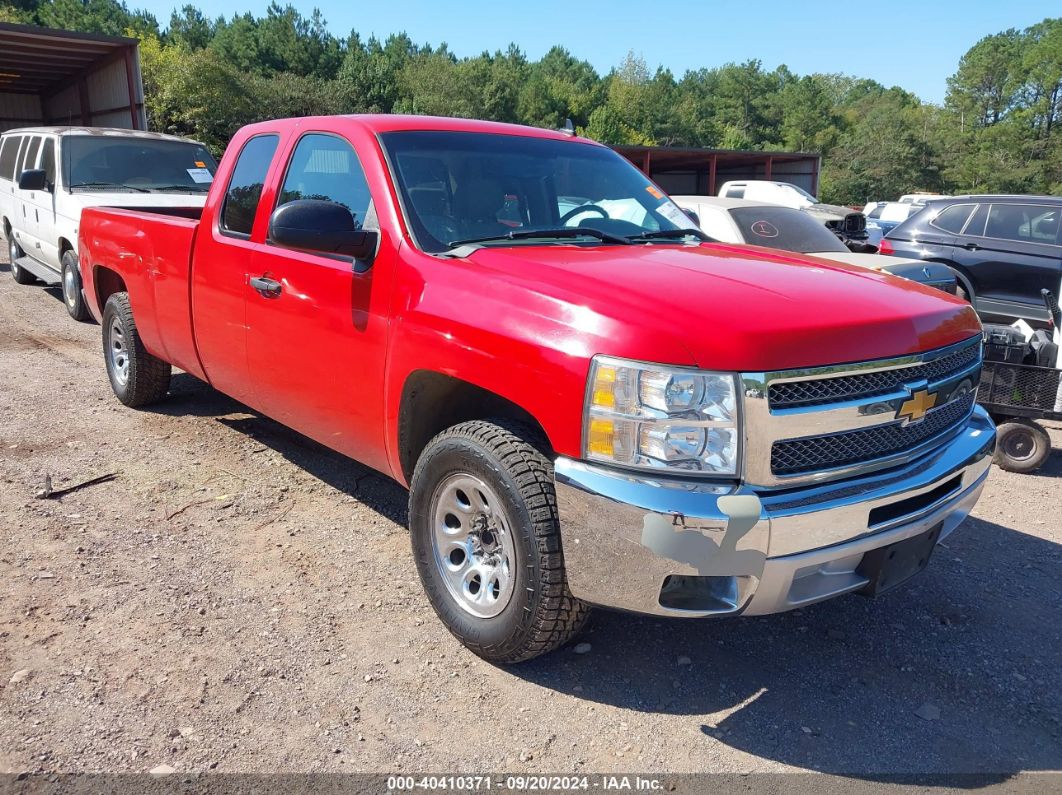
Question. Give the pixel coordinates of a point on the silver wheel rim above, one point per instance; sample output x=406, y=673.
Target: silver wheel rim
x=117, y=353
x=12, y=254
x=473, y=545
x=69, y=287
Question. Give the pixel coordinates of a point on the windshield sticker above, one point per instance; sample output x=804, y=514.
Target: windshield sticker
x=200, y=164
x=200, y=175
x=655, y=191
x=764, y=229
x=674, y=214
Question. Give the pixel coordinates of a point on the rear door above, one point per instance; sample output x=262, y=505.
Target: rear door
x=315, y=347
x=1012, y=252
x=221, y=266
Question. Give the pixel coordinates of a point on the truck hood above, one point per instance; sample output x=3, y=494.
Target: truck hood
x=720, y=306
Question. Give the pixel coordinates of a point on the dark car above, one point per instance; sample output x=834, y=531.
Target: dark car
x=1004, y=249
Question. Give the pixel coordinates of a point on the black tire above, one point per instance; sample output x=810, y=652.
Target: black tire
x=540, y=614
x=1021, y=446
x=73, y=294
x=14, y=252
x=143, y=379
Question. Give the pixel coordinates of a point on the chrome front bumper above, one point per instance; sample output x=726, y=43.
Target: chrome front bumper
x=675, y=547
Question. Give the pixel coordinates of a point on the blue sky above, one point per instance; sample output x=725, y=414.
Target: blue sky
x=915, y=45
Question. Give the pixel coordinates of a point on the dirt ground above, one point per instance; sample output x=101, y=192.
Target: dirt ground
x=240, y=599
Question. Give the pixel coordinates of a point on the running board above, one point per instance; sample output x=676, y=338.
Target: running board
x=42, y=272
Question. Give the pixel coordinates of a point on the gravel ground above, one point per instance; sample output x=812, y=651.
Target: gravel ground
x=240, y=599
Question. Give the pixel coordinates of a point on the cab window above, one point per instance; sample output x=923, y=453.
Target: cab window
x=326, y=168
x=245, y=185
x=48, y=160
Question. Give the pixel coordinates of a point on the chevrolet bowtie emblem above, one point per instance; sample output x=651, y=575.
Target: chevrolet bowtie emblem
x=916, y=406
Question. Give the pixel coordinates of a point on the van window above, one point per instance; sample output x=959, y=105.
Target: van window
x=29, y=155
x=735, y=192
x=48, y=160
x=8, y=150
x=953, y=219
x=245, y=185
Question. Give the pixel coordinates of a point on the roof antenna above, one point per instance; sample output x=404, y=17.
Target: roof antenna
x=568, y=128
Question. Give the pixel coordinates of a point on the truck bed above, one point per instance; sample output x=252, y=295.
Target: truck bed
x=150, y=252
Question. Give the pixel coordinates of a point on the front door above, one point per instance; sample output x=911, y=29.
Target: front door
x=44, y=202
x=316, y=339
x=25, y=211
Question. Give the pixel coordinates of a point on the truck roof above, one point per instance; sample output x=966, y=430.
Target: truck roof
x=116, y=132
x=384, y=122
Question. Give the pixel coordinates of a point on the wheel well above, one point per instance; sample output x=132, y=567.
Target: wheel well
x=433, y=402
x=64, y=246
x=107, y=284
x=960, y=274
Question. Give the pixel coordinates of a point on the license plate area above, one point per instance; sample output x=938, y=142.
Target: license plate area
x=893, y=565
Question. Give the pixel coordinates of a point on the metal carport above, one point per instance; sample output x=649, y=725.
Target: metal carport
x=61, y=77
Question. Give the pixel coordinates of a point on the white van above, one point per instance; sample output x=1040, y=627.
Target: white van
x=49, y=174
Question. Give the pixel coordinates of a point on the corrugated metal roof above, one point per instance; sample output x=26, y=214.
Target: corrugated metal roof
x=34, y=60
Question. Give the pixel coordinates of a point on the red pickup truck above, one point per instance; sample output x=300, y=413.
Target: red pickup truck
x=589, y=401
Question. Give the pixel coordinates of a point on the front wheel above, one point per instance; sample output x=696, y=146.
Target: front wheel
x=1021, y=446
x=73, y=293
x=137, y=377
x=14, y=253
x=486, y=539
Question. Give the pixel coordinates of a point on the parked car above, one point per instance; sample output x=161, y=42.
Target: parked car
x=769, y=225
x=586, y=410
x=1004, y=250
x=48, y=175
x=886, y=216
x=849, y=226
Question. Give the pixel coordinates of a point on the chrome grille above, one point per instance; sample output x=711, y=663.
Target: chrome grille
x=818, y=392
x=816, y=453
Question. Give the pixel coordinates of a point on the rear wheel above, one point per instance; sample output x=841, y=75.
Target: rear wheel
x=137, y=377
x=486, y=538
x=73, y=294
x=1021, y=446
x=15, y=252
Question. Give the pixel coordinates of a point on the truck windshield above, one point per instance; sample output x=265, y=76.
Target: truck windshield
x=785, y=228
x=461, y=187
x=116, y=163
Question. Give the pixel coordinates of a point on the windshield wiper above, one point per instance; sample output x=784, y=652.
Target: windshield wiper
x=671, y=234
x=172, y=188
x=561, y=233
x=108, y=185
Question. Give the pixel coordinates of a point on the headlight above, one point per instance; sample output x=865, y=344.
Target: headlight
x=643, y=415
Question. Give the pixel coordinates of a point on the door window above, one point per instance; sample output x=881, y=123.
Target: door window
x=29, y=156
x=48, y=160
x=953, y=219
x=245, y=185
x=1023, y=223
x=8, y=156
x=326, y=168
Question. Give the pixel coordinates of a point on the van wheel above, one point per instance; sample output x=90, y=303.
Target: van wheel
x=14, y=252
x=73, y=294
x=486, y=539
x=137, y=377
x=1021, y=446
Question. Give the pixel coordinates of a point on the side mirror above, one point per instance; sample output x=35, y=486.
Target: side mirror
x=693, y=216
x=33, y=179
x=323, y=227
